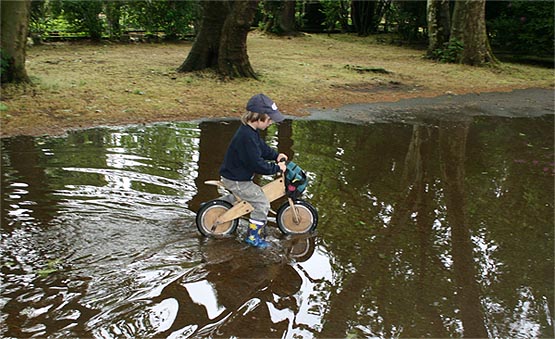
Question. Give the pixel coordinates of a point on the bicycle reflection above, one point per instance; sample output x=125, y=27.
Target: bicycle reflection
x=236, y=292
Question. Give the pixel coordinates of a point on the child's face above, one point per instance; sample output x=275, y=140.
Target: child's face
x=262, y=125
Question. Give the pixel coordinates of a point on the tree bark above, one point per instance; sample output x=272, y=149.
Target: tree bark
x=233, y=60
x=438, y=24
x=287, y=18
x=205, y=50
x=469, y=27
x=14, y=28
x=280, y=19
x=222, y=40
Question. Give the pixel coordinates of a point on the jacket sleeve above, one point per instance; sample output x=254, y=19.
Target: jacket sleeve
x=255, y=157
x=268, y=153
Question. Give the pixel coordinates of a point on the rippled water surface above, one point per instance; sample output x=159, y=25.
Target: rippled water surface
x=427, y=229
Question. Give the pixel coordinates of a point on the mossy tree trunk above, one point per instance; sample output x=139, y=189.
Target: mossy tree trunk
x=14, y=28
x=439, y=23
x=469, y=27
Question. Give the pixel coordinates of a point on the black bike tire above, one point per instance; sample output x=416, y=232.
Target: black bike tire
x=306, y=209
x=209, y=207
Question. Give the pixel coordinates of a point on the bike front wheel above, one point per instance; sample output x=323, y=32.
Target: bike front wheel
x=207, y=215
x=306, y=222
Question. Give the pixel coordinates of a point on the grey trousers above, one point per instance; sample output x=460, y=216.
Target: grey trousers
x=252, y=193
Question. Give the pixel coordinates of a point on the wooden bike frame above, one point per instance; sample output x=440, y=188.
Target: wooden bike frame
x=272, y=190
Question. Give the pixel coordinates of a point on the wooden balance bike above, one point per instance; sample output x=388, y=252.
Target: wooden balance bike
x=220, y=218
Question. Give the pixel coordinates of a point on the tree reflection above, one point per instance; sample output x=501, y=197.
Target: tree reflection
x=429, y=229
x=213, y=141
x=25, y=184
x=401, y=231
x=452, y=144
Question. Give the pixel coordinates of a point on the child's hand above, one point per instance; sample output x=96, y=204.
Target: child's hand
x=282, y=157
x=282, y=166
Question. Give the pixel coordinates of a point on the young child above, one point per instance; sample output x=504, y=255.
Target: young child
x=248, y=155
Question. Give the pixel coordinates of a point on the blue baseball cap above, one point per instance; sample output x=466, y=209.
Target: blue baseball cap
x=260, y=103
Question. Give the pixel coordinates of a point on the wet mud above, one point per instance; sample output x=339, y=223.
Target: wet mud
x=531, y=102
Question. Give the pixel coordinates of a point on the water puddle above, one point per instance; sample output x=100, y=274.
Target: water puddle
x=428, y=228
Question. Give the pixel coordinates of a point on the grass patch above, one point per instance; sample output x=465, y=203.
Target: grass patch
x=80, y=85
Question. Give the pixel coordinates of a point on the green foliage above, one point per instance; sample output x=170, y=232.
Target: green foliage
x=450, y=53
x=174, y=18
x=60, y=26
x=336, y=13
x=269, y=10
x=522, y=26
x=113, y=11
x=109, y=18
x=410, y=17
x=39, y=17
x=82, y=15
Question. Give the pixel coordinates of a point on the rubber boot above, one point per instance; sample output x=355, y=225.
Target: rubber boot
x=254, y=234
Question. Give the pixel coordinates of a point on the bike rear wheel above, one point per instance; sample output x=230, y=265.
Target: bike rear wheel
x=308, y=218
x=207, y=215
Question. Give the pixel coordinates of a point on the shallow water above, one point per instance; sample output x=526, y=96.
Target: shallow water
x=432, y=228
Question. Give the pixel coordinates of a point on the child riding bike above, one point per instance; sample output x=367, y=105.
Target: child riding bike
x=247, y=155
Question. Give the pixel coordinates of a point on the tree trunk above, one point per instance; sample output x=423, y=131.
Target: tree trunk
x=14, y=28
x=205, y=50
x=362, y=14
x=280, y=19
x=438, y=24
x=287, y=18
x=222, y=40
x=233, y=60
x=469, y=27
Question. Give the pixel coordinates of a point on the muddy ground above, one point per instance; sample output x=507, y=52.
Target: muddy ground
x=529, y=102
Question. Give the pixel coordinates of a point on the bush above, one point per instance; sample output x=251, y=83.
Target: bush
x=96, y=19
x=450, y=53
x=522, y=27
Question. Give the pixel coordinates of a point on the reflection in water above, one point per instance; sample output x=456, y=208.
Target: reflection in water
x=435, y=229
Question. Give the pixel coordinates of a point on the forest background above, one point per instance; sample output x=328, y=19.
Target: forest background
x=117, y=62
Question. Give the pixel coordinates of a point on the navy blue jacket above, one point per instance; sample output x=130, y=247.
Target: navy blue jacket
x=247, y=155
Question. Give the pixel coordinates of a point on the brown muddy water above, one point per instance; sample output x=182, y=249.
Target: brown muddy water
x=428, y=228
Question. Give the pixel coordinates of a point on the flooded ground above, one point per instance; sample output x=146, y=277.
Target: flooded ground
x=429, y=227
